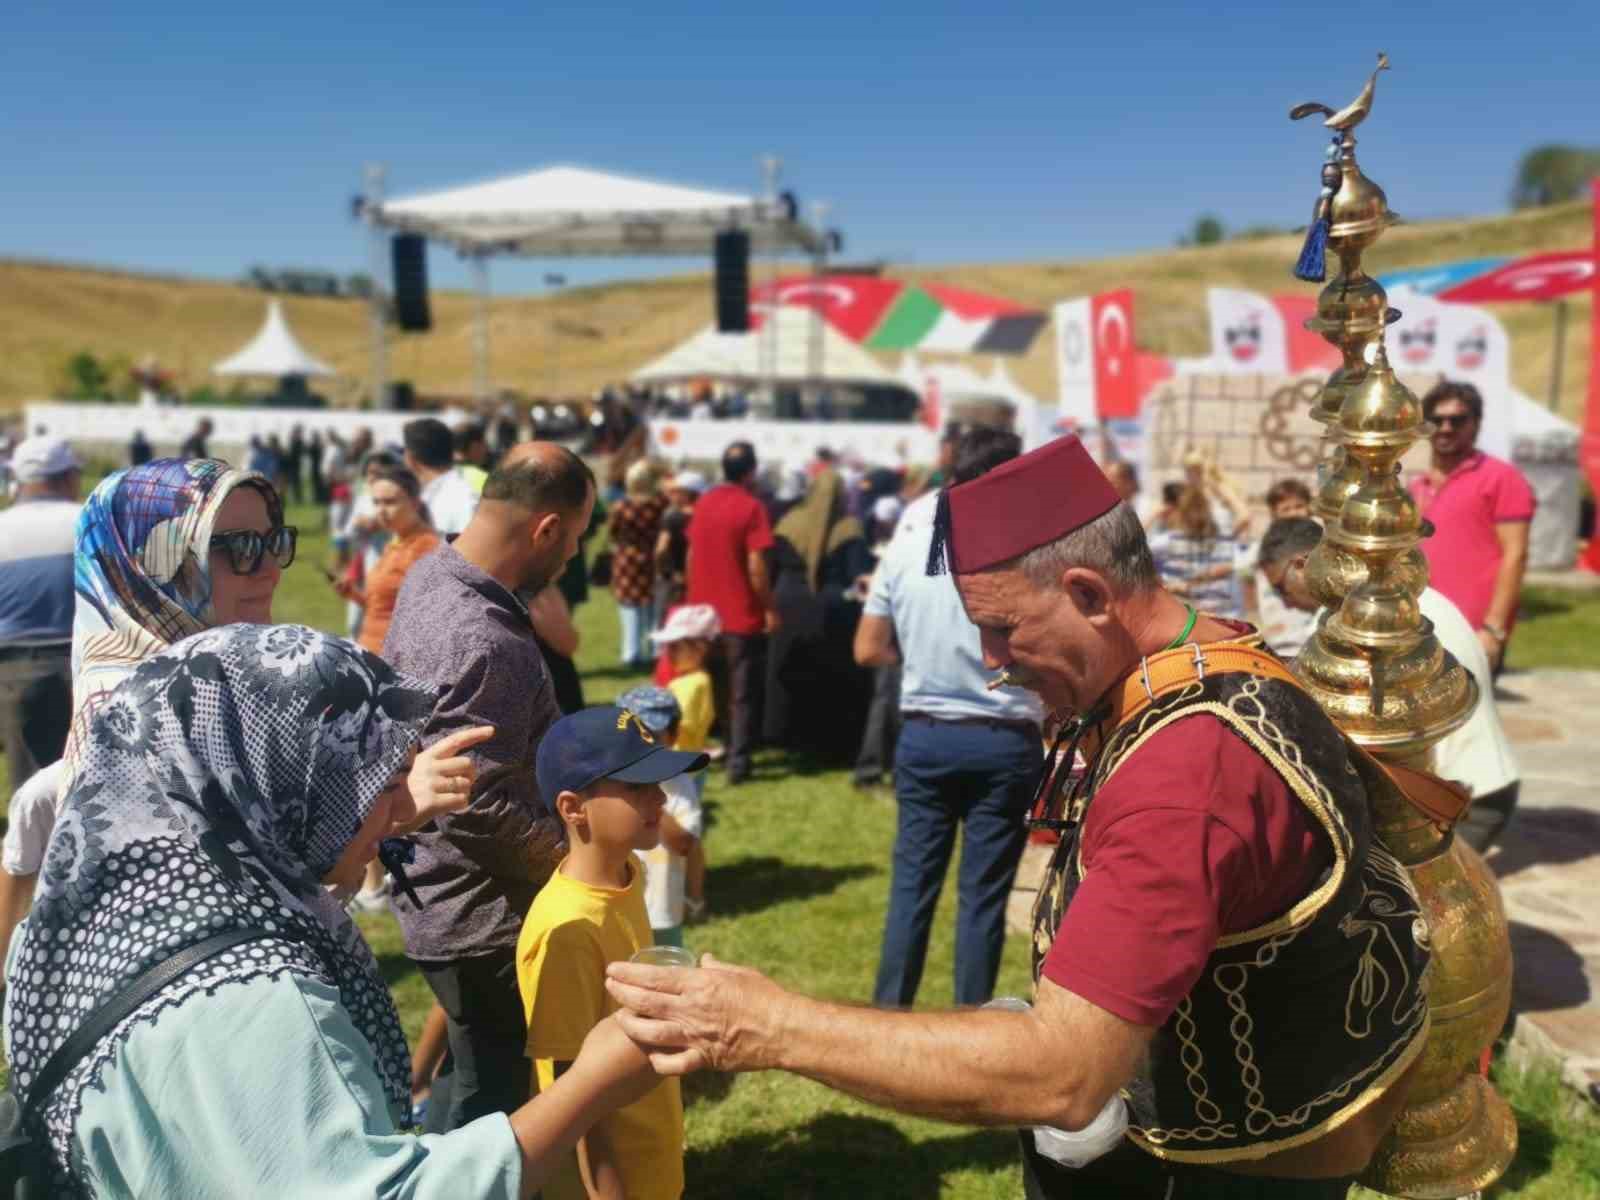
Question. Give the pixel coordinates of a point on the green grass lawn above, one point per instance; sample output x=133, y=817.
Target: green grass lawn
x=797, y=886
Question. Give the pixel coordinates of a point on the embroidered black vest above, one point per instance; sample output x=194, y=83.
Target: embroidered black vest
x=1295, y=1025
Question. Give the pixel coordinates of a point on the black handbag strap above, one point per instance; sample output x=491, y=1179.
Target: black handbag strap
x=106, y=1018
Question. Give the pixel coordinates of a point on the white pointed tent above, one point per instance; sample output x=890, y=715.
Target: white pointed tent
x=573, y=211
x=737, y=356
x=273, y=351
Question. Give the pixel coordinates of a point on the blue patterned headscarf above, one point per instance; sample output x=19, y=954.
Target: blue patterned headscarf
x=220, y=783
x=143, y=569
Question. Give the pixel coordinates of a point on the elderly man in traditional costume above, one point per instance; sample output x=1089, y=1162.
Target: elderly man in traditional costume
x=1219, y=944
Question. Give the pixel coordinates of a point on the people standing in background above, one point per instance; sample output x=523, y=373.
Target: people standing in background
x=319, y=486
x=37, y=543
x=1283, y=627
x=1229, y=512
x=675, y=870
x=728, y=542
x=1478, y=754
x=558, y=638
x=472, y=454
x=261, y=459
x=195, y=445
x=1125, y=480
x=968, y=756
x=687, y=639
x=672, y=543
x=459, y=624
x=817, y=695
x=1481, y=508
x=430, y=453
x=294, y=463
x=875, y=758
x=1165, y=515
x=1197, y=561
x=633, y=524
x=397, y=503
x=139, y=449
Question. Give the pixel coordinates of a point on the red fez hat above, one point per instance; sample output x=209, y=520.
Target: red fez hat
x=1019, y=506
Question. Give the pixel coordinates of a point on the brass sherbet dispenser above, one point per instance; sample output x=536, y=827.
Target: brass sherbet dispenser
x=1377, y=669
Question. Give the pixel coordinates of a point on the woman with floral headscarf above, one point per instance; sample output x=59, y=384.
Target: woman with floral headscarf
x=221, y=787
x=164, y=550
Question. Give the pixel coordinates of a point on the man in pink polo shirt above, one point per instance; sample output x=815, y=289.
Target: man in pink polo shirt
x=1480, y=507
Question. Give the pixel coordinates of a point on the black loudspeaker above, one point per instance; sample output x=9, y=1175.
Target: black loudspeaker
x=733, y=282
x=410, y=252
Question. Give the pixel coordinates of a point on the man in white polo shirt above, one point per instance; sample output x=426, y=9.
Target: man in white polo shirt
x=967, y=756
x=38, y=534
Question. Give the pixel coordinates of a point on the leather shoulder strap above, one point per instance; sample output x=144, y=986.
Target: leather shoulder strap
x=1161, y=674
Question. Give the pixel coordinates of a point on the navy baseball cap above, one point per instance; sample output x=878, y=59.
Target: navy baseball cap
x=605, y=743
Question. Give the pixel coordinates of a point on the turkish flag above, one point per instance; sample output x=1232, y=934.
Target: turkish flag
x=1536, y=277
x=1589, y=448
x=1116, y=390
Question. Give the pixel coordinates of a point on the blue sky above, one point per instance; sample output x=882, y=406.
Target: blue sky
x=196, y=139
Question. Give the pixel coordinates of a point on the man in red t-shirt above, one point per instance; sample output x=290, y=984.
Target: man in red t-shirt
x=1209, y=935
x=1481, y=508
x=729, y=536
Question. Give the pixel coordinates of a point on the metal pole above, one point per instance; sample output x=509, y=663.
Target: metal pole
x=554, y=282
x=819, y=269
x=771, y=167
x=377, y=303
x=480, y=329
x=1558, y=361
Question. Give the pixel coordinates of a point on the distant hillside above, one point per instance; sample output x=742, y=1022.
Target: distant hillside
x=589, y=336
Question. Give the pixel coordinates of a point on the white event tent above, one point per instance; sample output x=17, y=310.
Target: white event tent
x=274, y=351
x=568, y=212
x=737, y=356
x=561, y=212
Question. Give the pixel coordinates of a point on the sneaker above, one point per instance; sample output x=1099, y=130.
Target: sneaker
x=375, y=901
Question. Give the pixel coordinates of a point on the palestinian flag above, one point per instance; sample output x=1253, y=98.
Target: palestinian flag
x=887, y=314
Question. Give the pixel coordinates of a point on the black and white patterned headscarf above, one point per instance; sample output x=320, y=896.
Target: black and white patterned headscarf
x=223, y=779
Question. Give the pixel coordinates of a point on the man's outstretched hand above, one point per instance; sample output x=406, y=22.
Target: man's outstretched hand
x=716, y=1015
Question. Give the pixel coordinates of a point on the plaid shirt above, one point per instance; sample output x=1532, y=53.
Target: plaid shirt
x=476, y=871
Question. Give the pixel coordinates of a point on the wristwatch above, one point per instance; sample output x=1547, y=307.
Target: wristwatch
x=1496, y=631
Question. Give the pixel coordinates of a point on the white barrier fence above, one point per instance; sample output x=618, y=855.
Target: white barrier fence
x=795, y=443
x=109, y=427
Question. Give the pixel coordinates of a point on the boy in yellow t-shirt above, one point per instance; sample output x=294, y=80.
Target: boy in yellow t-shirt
x=687, y=637
x=600, y=772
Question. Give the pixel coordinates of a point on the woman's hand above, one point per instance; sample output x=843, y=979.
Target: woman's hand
x=616, y=1064
x=442, y=776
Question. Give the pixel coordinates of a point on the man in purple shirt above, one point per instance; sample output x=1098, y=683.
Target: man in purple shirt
x=459, y=623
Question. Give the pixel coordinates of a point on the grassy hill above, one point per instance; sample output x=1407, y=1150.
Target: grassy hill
x=588, y=336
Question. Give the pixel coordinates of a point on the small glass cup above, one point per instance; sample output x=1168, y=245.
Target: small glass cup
x=664, y=956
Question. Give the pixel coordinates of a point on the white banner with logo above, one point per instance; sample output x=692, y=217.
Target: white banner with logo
x=795, y=443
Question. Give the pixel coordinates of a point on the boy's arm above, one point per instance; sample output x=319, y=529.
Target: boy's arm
x=602, y=1178
x=675, y=837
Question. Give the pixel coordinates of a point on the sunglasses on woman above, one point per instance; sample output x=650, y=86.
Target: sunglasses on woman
x=246, y=547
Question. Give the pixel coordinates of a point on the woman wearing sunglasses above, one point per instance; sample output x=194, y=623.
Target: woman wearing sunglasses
x=165, y=550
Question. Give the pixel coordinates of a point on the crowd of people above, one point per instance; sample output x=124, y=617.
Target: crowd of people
x=192, y=777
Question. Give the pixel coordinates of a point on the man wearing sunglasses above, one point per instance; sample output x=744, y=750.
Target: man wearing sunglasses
x=1481, y=508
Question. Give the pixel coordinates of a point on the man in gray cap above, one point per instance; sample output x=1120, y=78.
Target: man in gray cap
x=37, y=537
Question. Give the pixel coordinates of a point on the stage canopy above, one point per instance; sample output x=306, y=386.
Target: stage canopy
x=564, y=211
x=889, y=314
x=739, y=356
x=274, y=351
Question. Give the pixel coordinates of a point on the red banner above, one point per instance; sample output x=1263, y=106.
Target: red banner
x=1589, y=452
x=1536, y=277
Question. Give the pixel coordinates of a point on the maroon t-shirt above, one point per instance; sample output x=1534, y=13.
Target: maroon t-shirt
x=1194, y=837
x=729, y=524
